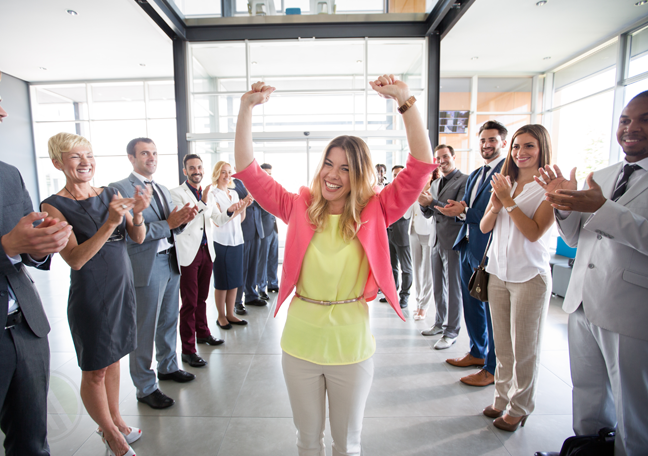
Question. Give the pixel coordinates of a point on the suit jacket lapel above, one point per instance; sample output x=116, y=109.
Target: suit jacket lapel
x=637, y=188
x=135, y=181
x=486, y=182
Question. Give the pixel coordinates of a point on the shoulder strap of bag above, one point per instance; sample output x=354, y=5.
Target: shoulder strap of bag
x=483, y=261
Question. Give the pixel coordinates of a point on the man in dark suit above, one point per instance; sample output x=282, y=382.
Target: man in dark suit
x=445, y=261
x=156, y=271
x=252, y=228
x=269, y=255
x=471, y=243
x=24, y=350
x=399, y=252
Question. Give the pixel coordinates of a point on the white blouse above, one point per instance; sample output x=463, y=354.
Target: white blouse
x=511, y=256
x=230, y=233
x=420, y=224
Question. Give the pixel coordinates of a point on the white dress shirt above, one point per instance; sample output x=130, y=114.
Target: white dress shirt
x=511, y=256
x=230, y=233
x=163, y=244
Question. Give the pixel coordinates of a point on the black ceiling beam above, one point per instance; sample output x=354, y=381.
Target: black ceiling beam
x=165, y=18
x=316, y=30
x=437, y=14
x=453, y=16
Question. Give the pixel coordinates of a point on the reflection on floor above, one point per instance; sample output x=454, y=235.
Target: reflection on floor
x=238, y=405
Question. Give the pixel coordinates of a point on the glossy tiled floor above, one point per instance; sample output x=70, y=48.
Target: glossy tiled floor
x=238, y=405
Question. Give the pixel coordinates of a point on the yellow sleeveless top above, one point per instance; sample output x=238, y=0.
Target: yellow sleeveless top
x=332, y=270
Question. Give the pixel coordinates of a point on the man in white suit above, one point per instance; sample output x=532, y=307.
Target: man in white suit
x=606, y=298
x=195, y=248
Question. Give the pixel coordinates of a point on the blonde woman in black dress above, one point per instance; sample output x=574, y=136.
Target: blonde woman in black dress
x=101, y=304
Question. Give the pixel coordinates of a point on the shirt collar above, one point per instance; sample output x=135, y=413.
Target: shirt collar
x=643, y=163
x=141, y=178
x=495, y=162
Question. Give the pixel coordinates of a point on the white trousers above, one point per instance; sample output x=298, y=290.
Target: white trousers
x=347, y=387
x=422, y=269
x=610, y=376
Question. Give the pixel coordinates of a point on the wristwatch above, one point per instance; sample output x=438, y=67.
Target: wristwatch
x=510, y=208
x=408, y=104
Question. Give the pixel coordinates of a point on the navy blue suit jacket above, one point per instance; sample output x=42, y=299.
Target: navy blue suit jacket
x=478, y=240
x=252, y=224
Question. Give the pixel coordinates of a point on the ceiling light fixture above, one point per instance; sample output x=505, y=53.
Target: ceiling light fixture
x=254, y=63
x=43, y=68
x=541, y=3
x=72, y=13
x=142, y=64
x=474, y=58
x=358, y=61
x=642, y=2
x=547, y=58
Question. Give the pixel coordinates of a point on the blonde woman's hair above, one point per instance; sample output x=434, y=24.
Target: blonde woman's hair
x=362, y=179
x=65, y=142
x=216, y=174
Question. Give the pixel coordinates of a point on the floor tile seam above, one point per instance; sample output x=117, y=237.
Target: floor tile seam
x=84, y=442
x=220, y=445
x=557, y=376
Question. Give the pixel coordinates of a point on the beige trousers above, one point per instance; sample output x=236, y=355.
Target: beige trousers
x=347, y=388
x=518, y=311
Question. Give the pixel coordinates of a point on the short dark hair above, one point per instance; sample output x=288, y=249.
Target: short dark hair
x=266, y=166
x=494, y=125
x=641, y=95
x=445, y=146
x=380, y=165
x=189, y=157
x=130, y=147
x=397, y=167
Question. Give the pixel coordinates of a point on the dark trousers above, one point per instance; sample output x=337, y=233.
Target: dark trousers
x=24, y=381
x=268, y=262
x=250, y=260
x=477, y=314
x=194, y=290
x=403, y=255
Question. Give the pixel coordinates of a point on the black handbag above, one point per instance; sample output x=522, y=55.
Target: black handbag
x=601, y=444
x=478, y=283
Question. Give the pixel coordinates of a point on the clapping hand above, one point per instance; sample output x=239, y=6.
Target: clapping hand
x=425, y=199
x=142, y=198
x=118, y=207
x=453, y=208
x=502, y=188
x=552, y=179
x=588, y=201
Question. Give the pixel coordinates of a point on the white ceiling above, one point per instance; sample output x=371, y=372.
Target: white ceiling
x=512, y=37
x=107, y=40
x=111, y=39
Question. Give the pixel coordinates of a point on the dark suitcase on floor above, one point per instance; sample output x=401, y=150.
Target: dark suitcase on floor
x=590, y=445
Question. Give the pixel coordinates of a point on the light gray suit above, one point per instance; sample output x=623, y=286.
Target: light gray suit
x=608, y=339
x=24, y=350
x=157, y=284
x=446, y=267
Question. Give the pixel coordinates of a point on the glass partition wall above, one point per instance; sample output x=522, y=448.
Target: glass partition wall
x=322, y=92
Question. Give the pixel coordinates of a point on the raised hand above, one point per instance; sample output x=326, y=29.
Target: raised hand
x=589, y=200
x=118, y=207
x=259, y=94
x=552, y=179
x=389, y=87
x=182, y=216
x=205, y=194
x=51, y=236
x=142, y=198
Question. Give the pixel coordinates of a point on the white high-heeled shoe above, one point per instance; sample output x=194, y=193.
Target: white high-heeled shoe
x=110, y=452
x=131, y=438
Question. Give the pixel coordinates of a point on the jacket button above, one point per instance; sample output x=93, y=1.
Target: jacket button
x=3, y=293
x=599, y=237
x=591, y=265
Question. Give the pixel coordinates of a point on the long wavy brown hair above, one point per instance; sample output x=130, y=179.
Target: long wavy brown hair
x=362, y=179
x=541, y=135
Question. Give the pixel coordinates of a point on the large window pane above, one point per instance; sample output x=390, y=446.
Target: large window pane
x=504, y=95
x=587, y=76
x=117, y=101
x=634, y=89
x=44, y=131
x=110, y=137
x=67, y=102
x=161, y=100
x=581, y=134
x=638, y=53
x=215, y=61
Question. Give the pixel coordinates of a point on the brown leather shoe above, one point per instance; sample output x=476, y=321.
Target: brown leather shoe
x=481, y=378
x=466, y=361
x=491, y=412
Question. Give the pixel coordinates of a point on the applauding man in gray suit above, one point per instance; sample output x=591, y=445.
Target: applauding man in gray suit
x=606, y=298
x=157, y=278
x=24, y=351
x=446, y=267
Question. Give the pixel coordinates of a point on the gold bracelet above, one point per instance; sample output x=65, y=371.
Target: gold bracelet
x=408, y=104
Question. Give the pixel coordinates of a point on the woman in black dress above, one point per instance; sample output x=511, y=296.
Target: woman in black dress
x=101, y=304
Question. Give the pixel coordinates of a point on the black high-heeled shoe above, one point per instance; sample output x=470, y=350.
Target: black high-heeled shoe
x=499, y=423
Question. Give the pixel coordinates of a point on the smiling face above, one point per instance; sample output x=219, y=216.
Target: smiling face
x=525, y=151
x=490, y=144
x=224, y=177
x=334, y=178
x=632, y=133
x=445, y=159
x=194, y=171
x=380, y=173
x=145, y=159
x=78, y=164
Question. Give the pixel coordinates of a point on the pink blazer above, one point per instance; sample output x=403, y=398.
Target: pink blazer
x=382, y=210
